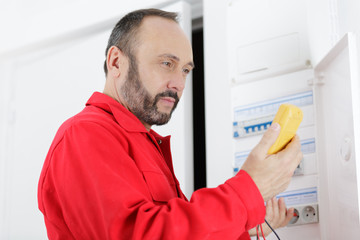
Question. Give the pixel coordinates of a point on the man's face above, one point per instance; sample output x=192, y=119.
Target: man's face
x=141, y=103
x=157, y=73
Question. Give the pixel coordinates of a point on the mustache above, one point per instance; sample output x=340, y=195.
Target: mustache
x=167, y=94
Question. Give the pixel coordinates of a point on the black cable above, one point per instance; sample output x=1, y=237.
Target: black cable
x=272, y=229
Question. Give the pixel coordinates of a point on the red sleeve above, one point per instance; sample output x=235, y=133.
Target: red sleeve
x=91, y=189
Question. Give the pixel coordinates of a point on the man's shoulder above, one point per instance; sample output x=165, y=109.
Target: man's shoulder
x=94, y=115
x=87, y=120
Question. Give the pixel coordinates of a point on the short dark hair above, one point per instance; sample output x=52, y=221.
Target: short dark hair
x=124, y=33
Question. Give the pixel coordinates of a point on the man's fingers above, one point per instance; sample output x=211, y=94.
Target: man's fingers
x=289, y=216
x=282, y=210
x=293, y=147
x=292, y=152
x=268, y=139
x=269, y=210
x=275, y=204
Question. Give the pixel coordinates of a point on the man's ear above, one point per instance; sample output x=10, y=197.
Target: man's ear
x=115, y=60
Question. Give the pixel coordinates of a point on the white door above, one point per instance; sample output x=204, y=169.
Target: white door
x=338, y=119
x=39, y=90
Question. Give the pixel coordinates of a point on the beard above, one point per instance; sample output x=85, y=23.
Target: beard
x=139, y=100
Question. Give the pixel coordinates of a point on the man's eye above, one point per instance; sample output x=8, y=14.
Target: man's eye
x=167, y=64
x=186, y=71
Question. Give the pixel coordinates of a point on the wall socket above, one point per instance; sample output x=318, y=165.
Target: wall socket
x=305, y=214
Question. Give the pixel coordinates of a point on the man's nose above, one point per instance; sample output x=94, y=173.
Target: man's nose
x=177, y=81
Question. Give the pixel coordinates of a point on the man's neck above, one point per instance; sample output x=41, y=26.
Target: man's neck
x=117, y=98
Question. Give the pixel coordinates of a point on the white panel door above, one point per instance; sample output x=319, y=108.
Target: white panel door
x=338, y=146
x=42, y=88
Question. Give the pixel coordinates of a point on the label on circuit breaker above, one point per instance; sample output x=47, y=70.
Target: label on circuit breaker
x=307, y=147
x=240, y=158
x=256, y=118
x=300, y=196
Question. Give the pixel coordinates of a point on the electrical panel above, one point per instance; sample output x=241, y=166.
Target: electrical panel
x=326, y=183
x=254, y=106
x=269, y=64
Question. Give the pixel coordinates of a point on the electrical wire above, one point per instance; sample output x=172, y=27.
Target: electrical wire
x=262, y=232
x=272, y=230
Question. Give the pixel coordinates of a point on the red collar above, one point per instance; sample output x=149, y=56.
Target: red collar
x=123, y=116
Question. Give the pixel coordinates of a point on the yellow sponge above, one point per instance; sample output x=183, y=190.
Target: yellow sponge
x=289, y=117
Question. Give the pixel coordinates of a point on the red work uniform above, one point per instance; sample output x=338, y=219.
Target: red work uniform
x=107, y=177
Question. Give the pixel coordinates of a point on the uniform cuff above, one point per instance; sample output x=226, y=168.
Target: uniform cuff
x=251, y=197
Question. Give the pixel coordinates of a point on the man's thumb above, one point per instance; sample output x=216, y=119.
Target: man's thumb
x=269, y=138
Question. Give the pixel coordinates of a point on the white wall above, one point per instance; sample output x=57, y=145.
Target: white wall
x=349, y=16
x=25, y=23
x=328, y=21
x=44, y=92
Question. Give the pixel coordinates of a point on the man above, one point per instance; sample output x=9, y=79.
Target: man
x=108, y=175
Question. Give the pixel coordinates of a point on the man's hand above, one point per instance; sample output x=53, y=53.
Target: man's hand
x=276, y=215
x=272, y=173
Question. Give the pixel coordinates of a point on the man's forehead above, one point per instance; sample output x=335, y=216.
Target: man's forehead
x=166, y=36
x=154, y=25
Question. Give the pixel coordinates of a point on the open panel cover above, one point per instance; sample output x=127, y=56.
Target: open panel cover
x=337, y=120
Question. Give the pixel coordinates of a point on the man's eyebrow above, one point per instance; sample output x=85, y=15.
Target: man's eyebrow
x=167, y=55
x=191, y=64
